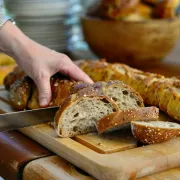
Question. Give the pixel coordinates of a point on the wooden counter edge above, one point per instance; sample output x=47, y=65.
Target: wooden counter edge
x=54, y=167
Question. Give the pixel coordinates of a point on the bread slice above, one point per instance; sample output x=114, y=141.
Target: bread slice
x=81, y=111
x=79, y=114
x=152, y=132
x=123, y=95
x=116, y=120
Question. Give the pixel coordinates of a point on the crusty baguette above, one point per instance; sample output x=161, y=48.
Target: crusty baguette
x=151, y=132
x=156, y=90
x=116, y=120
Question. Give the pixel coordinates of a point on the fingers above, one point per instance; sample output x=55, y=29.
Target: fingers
x=44, y=89
x=77, y=74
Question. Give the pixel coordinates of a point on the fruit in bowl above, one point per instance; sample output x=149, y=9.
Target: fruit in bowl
x=140, y=38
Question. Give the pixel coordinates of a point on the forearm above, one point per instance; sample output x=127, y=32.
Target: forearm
x=12, y=40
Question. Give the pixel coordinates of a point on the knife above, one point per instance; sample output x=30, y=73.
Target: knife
x=20, y=119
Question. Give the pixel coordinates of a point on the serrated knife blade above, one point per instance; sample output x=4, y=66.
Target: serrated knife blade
x=20, y=119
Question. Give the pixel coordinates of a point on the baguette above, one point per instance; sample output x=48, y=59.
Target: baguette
x=156, y=90
x=23, y=93
x=116, y=120
x=152, y=132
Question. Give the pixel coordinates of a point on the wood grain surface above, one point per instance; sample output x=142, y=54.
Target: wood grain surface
x=53, y=168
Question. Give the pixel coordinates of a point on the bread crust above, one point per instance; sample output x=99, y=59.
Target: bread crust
x=122, y=117
x=16, y=74
x=155, y=89
x=20, y=93
x=152, y=135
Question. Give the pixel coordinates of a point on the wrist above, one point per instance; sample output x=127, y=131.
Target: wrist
x=12, y=39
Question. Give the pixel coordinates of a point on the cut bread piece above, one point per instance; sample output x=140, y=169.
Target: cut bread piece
x=78, y=115
x=151, y=132
x=81, y=111
x=123, y=95
x=116, y=120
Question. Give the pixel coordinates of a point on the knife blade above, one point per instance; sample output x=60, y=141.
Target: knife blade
x=20, y=119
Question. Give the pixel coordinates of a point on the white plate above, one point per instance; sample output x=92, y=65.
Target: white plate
x=39, y=8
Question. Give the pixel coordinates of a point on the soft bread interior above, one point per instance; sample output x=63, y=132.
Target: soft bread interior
x=81, y=116
x=123, y=97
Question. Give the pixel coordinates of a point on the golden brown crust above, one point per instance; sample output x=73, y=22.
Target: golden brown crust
x=20, y=93
x=33, y=102
x=60, y=88
x=152, y=135
x=13, y=76
x=156, y=90
x=125, y=116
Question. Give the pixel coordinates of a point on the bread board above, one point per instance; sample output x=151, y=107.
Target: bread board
x=119, y=158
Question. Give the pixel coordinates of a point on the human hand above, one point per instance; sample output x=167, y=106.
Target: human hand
x=40, y=63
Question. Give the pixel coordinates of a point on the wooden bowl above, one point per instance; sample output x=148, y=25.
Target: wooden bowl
x=137, y=43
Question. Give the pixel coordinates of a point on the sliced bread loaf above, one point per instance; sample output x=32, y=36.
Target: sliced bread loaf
x=80, y=112
x=116, y=120
x=152, y=132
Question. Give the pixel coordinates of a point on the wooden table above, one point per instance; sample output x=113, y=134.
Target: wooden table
x=21, y=157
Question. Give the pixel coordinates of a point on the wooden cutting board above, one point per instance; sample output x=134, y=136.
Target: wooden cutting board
x=111, y=157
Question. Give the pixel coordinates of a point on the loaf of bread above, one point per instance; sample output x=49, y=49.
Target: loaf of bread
x=81, y=111
x=23, y=93
x=156, y=90
x=152, y=132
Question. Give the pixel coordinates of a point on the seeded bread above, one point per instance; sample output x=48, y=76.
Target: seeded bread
x=20, y=93
x=24, y=93
x=156, y=90
x=152, y=132
x=81, y=111
x=116, y=120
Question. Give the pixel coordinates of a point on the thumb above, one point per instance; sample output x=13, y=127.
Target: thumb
x=44, y=90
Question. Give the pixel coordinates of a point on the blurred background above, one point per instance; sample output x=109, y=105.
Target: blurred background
x=140, y=33
x=53, y=23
